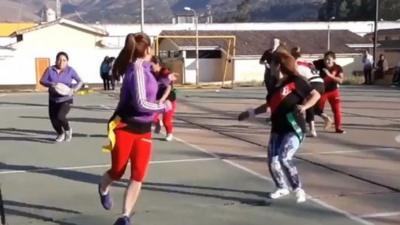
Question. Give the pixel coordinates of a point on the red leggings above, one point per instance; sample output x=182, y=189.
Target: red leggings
x=333, y=98
x=137, y=148
x=167, y=118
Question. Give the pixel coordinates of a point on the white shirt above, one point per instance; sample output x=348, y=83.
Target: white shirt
x=368, y=60
x=307, y=71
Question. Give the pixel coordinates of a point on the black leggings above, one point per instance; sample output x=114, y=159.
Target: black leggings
x=58, y=115
x=310, y=113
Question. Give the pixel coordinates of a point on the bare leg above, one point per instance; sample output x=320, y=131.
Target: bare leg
x=105, y=183
x=328, y=121
x=131, y=195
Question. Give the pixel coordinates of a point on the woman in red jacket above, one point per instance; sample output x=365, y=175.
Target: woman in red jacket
x=332, y=74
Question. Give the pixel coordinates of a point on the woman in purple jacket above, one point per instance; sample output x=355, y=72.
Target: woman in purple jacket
x=59, y=104
x=134, y=116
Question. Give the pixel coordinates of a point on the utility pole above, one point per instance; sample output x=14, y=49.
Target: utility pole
x=142, y=16
x=376, y=30
x=58, y=9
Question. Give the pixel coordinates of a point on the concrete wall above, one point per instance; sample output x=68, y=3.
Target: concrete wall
x=210, y=70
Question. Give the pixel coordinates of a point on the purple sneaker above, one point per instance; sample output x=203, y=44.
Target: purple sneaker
x=123, y=221
x=106, y=200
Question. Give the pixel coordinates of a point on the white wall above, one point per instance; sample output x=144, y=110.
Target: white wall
x=247, y=70
x=210, y=70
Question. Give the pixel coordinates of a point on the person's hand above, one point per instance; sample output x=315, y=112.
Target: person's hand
x=243, y=116
x=327, y=72
x=246, y=115
x=71, y=92
x=173, y=76
x=168, y=105
x=301, y=109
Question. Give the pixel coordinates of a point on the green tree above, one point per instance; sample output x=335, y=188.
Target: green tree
x=243, y=11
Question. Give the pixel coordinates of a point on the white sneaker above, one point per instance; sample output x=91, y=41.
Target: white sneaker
x=68, y=135
x=169, y=137
x=278, y=193
x=60, y=137
x=313, y=133
x=300, y=195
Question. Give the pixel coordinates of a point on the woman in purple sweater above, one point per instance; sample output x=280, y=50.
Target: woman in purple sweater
x=134, y=113
x=59, y=105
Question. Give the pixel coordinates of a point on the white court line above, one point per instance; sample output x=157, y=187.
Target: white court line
x=349, y=151
x=320, y=202
x=379, y=215
x=102, y=166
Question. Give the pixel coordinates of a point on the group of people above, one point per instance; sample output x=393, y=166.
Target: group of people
x=146, y=94
x=106, y=73
x=372, y=72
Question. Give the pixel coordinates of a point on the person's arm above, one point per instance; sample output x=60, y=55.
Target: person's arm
x=338, y=79
x=251, y=113
x=311, y=100
x=78, y=80
x=139, y=91
x=45, y=80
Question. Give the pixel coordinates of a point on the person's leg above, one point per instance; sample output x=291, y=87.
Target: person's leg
x=336, y=106
x=320, y=112
x=168, y=121
x=53, y=112
x=140, y=158
x=62, y=117
x=275, y=168
x=104, y=83
x=119, y=160
x=112, y=81
x=290, y=146
x=156, y=122
x=366, y=79
x=369, y=74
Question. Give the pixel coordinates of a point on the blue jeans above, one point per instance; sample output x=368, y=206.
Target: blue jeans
x=281, y=149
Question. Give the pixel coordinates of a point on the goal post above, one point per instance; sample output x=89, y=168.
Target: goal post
x=229, y=51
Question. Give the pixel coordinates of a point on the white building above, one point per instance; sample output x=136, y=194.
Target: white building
x=33, y=49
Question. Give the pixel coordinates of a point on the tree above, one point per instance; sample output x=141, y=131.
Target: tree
x=243, y=11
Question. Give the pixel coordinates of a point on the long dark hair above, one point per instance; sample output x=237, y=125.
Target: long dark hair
x=287, y=62
x=135, y=47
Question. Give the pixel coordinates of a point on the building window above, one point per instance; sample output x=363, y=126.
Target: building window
x=388, y=38
x=204, y=54
x=170, y=54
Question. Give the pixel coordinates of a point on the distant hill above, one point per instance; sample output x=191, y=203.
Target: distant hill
x=161, y=11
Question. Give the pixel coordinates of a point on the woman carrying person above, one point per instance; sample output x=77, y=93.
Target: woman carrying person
x=134, y=115
x=289, y=98
x=332, y=74
x=307, y=71
x=61, y=75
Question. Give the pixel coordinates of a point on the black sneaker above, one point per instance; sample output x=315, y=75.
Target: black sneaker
x=123, y=221
x=105, y=200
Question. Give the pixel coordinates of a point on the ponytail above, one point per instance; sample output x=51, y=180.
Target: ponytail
x=125, y=57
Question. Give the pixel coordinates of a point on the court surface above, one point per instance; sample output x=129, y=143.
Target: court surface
x=214, y=172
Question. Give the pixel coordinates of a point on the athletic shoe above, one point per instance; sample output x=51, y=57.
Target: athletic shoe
x=328, y=123
x=105, y=200
x=60, y=137
x=313, y=133
x=300, y=195
x=169, y=137
x=68, y=135
x=278, y=193
x=123, y=221
x=157, y=128
x=340, y=131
